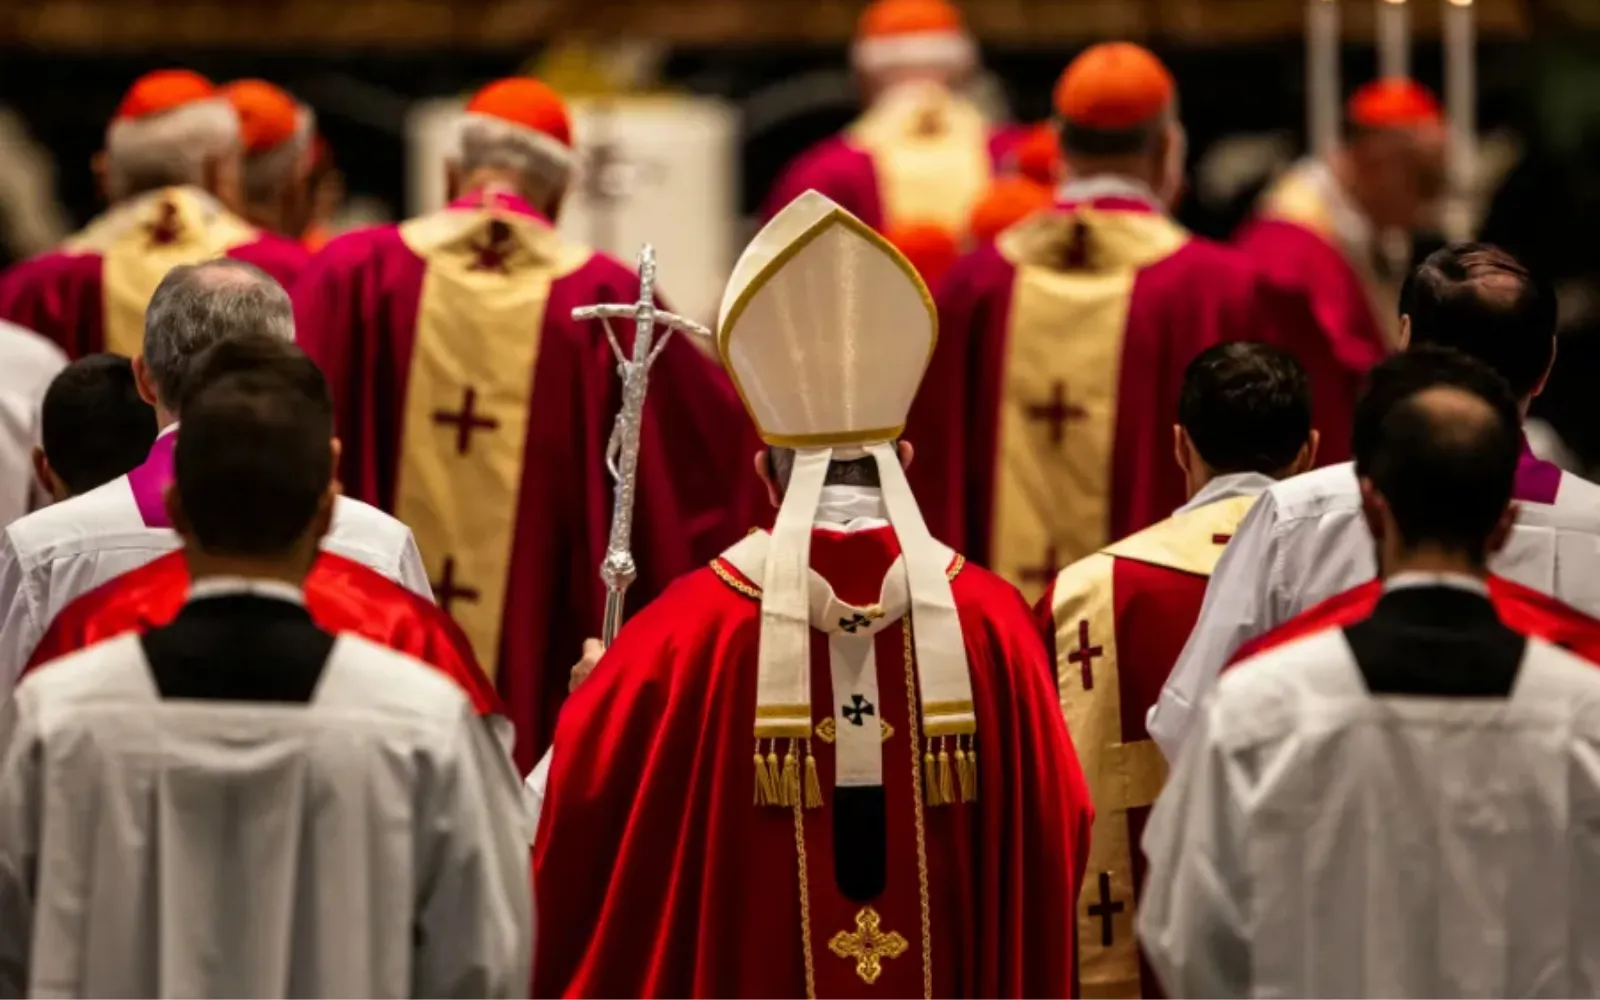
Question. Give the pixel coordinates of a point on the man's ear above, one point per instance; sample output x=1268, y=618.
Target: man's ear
x=1374, y=508
x=47, y=478
x=143, y=381
x=452, y=181
x=337, y=448
x=1538, y=390
x=97, y=166
x=906, y=452
x=1307, y=459
x=176, y=514
x=1502, y=528
x=1404, y=340
x=1180, y=447
x=768, y=479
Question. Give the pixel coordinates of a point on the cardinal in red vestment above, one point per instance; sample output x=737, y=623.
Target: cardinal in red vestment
x=475, y=409
x=921, y=153
x=832, y=762
x=1050, y=400
x=171, y=170
x=1339, y=230
x=1116, y=621
x=279, y=135
x=341, y=594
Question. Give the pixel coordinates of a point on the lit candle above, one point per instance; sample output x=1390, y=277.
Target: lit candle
x=1394, y=38
x=1461, y=107
x=1322, y=74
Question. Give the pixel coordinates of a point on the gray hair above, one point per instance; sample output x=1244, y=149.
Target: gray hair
x=168, y=149
x=486, y=144
x=198, y=305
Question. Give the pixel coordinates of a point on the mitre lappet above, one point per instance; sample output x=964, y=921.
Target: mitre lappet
x=826, y=331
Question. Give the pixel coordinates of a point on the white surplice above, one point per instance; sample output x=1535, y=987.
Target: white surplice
x=56, y=555
x=1305, y=540
x=1315, y=840
x=28, y=363
x=369, y=843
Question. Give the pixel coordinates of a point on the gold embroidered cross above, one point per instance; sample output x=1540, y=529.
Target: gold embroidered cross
x=869, y=946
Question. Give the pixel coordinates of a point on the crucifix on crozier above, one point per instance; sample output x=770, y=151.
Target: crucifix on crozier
x=466, y=421
x=1057, y=412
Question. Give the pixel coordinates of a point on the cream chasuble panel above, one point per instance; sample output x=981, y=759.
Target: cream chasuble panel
x=1121, y=776
x=931, y=156
x=1298, y=198
x=479, y=322
x=1074, y=281
x=141, y=240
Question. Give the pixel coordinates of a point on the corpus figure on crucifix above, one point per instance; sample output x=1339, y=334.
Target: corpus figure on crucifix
x=1054, y=384
x=474, y=407
x=1116, y=621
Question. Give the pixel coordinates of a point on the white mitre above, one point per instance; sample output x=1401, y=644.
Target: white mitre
x=826, y=331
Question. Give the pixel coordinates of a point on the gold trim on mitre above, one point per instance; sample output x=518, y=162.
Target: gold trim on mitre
x=808, y=217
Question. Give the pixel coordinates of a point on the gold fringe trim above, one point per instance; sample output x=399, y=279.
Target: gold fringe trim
x=967, y=768
x=813, y=785
x=791, y=777
x=913, y=739
x=947, y=790
x=929, y=777
x=766, y=795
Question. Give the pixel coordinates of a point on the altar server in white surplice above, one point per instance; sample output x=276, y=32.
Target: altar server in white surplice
x=1305, y=540
x=1408, y=806
x=241, y=804
x=27, y=364
x=55, y=555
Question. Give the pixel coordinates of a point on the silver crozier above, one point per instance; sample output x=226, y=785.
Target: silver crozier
x=622, y=451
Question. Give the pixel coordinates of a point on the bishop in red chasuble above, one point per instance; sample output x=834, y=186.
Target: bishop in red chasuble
x=474, y=408
x=1339, y=231
x=1116, y=621
x=1049, y=403
x=921, y=154
x=830, y=764
x=171, y=169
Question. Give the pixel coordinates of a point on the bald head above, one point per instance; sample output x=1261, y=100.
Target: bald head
x=199, y=305
x=1481, y=301
x=1445, y=463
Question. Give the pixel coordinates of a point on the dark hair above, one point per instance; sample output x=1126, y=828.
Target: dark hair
x=1403, y=375
x=1246, y=407
x=252, y=464
x=850, y=472
x=258, y=353
x=94, y=427
x=1445, y=462
x=1081, y=140
x=1480, y=300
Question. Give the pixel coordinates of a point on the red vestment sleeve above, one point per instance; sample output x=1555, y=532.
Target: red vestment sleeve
x=58, y=296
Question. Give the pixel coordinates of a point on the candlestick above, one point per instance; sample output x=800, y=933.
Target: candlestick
x=1461, y=107
x=1394, y=38
x=1322, y=74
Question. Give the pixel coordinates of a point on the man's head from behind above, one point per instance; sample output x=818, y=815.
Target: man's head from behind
x=1478, y=299
x=195, y=307
x=1244, y=407
x=277, y=133
x=254, y=484
x=1437, y=447
x=172, y=128
x=94, y=426
x=1117, y=105
x=516, y=134
x=1394, y=149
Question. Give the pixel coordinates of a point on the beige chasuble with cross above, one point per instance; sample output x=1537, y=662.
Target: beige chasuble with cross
x=467, y=400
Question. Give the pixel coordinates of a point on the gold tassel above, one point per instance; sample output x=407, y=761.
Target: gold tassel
x=765, y=793
x=947, y=791
x=930, y=779
x=968, y=769
x=791, y=777
x=813, y=786
x=774, y=775
x=961, y=767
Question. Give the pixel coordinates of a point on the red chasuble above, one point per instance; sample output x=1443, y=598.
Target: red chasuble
x=1114, y=624
x=1298, y=241
x=342, y=596
x=889, y=172
x=90, y=294
x=1521, y=609
x=473, y=407
x=1044, y=425
x=660, y=877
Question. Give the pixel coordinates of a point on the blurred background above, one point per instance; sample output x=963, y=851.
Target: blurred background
x=687, y=110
